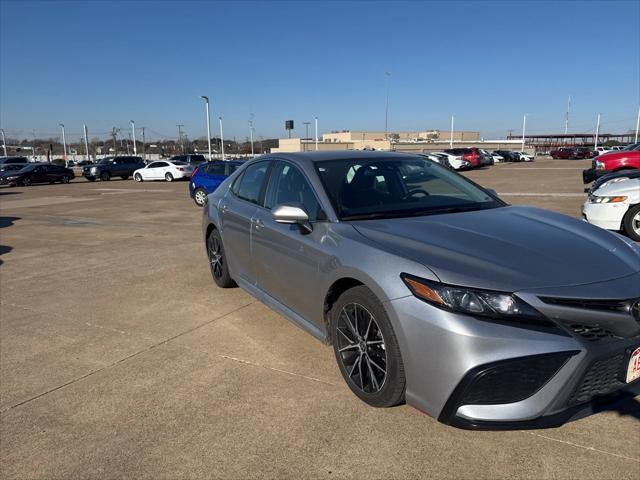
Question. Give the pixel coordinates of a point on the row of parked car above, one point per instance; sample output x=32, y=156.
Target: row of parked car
x=468, y=158
x=613, y=199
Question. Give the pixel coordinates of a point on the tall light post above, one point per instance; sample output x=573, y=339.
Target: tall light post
x=524, y=128
x=306, y=126
x=635, y=141
x=206, y=101
x=595, y=146
x=251, y=134
x=451, y=135
x=316, y=133
x=221, y=137
x=64, y=144
x=133, y=131
x=86, y=141
x=386, y=108
x=180, y=137
x=4, y=142
x=566, y=120
x=144, y=148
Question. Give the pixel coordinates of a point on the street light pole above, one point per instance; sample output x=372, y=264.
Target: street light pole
x=144, y=148
x=86, y=141
x=595, y=146
x=524, y=127
x=566, y=120
x=316, y=134
x=64, y=145
x=386, y=109
x=133, y=129
x=180, y=137
x=635, y=141
x=4, y=143
x=251, y=134
x=206, y=101
x=221, y=137
x=451, y=136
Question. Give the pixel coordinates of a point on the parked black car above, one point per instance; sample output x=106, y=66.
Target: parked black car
x=508, y=155
x=597, y=183
x=37, y=173
x=14, y=159
x=121, y=166
x=9, y=167
x=192, y=159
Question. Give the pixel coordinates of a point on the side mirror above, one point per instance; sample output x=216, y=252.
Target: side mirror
x=292, y=214
x=492, y=191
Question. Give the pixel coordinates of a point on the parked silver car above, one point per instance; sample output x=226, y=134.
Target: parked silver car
x=430, y=288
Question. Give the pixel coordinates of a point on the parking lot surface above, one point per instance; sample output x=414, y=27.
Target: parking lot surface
x=120, y=358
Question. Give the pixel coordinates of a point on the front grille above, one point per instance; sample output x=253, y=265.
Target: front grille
x=621, y=306
x=592, y=333
x=602, y=378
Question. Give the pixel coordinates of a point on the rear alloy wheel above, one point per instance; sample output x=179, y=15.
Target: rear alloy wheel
x=137, y=177
x=366, y=348
x=105, y=176
x=631, y=223
x=26, y=181
x=218, y=261
x=65, y=179
x=168, y=177
x=200, y=196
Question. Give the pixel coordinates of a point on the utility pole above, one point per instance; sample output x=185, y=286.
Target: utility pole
x=144, y=148
x=128, y=151
x=566, y=121
x=251, y=133
x=635, y=141
x=206, y=100
x=386, y=109
x=4, y=142
x=64, y=145
x=316, y=134
x=524, y=126
x=86, y=141
x=114, y=134
x=451, y=136
x=180, y=137
x=595, y=146
x=221, y=137
x=133, y=130
x=306, y=126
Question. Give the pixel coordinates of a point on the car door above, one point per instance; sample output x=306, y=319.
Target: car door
x=287, y=259
x=149, y=172
x=237, y=210
x=39, y=174
x=213, y=176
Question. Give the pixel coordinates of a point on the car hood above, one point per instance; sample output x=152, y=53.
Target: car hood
x=508, y=248
x=629, y=188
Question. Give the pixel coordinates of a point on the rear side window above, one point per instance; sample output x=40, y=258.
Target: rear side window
x=250, y=185
x=215, y=169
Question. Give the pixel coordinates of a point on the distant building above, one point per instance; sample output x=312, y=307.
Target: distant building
x=421, y=136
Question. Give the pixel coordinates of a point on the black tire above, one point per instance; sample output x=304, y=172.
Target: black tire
x=218, y=261
x=168, y=177
x=124, y=177
x=137, y=177
x=105, y=176
x=91, y=179
x=65, y=179
x=631, y=223
x=374, y=344
x=199, y=196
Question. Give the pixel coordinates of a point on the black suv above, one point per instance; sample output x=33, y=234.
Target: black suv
x=192, y=159
x=6, y=160
x=122, y=166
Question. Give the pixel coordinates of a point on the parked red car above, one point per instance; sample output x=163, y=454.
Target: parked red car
x=571, y=153
x=628, y=159
x=471, y=155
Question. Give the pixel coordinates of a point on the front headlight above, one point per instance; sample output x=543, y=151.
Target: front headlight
x=11, y=178
x=599, y=165
x=596, y=199
x=473, y=301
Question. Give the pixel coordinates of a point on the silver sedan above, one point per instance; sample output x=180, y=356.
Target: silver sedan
x=431, y=289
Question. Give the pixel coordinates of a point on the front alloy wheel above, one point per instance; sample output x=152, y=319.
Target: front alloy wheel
x=366, y=348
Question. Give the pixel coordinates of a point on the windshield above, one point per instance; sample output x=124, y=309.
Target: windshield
x=364, y=188
x=27, y=168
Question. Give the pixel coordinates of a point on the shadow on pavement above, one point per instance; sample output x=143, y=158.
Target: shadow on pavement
x=6, y=222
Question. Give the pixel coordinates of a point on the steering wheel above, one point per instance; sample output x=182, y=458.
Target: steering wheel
x=417, y=191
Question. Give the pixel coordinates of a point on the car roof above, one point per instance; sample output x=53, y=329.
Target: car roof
x=312, y=157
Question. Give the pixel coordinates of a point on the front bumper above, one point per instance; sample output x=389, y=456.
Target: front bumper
x=605, y=215
x=445, y=353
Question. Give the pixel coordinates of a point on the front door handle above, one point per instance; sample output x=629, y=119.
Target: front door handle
x=259, y=224
x=223, y=208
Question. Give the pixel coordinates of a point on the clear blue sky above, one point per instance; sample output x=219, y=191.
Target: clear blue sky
x=105, y=63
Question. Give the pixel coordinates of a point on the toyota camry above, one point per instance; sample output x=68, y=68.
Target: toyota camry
x=431, y=289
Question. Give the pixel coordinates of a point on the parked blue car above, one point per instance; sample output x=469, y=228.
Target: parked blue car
x=206, y=178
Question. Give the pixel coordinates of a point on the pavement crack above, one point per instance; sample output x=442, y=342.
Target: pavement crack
x=584, y=447
x=122, y=360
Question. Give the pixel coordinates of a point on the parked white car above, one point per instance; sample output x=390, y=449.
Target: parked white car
x=456, y=161
x=615, y=206
x=603, y=150
x=525, y=157
x=163, y=170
